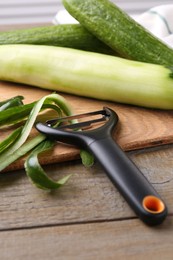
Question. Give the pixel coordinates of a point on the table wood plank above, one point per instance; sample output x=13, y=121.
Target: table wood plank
x=95, y=241
x=89, y=196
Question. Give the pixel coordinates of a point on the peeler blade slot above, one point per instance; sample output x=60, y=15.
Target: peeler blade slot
x=88, y=123
x=82, y=125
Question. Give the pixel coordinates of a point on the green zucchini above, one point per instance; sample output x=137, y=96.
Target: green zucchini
x=88, y=74
x=67, y=35
x=119, y=31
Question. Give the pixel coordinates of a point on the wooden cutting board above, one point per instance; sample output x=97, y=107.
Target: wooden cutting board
x=138, y=127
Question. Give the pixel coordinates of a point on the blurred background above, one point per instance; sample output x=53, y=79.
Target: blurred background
x=43, y=11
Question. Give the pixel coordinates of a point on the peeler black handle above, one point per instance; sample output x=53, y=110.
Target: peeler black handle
x=130, y=181
x=123, y=173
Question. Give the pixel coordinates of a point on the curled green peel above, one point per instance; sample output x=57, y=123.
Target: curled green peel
x=16, y=144
x=36, y=173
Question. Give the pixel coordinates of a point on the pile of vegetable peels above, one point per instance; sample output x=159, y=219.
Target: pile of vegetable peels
x=14, y=112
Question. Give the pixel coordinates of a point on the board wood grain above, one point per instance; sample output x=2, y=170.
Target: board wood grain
x=138, y=127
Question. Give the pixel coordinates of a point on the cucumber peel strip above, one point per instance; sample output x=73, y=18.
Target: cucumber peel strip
x=14, y=146
x=12, y=154
x=12, y=116
x=12, y=102
x=10, y=139
x=87, y=158
x=36, y=173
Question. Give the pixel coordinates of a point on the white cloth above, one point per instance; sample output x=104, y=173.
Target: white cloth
x=158, y=20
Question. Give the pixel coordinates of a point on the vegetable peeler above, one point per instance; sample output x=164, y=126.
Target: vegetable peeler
x=95, y=135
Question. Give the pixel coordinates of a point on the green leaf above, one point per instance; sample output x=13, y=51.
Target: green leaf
x=36, y=173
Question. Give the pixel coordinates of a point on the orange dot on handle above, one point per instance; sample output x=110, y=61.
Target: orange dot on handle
x=153, y=204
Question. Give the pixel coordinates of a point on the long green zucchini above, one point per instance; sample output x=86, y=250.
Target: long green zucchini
x=67, y=35
x=119, y=31
x=88, y=74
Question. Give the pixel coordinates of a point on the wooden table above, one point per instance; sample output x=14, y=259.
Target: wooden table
x=87, y=218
